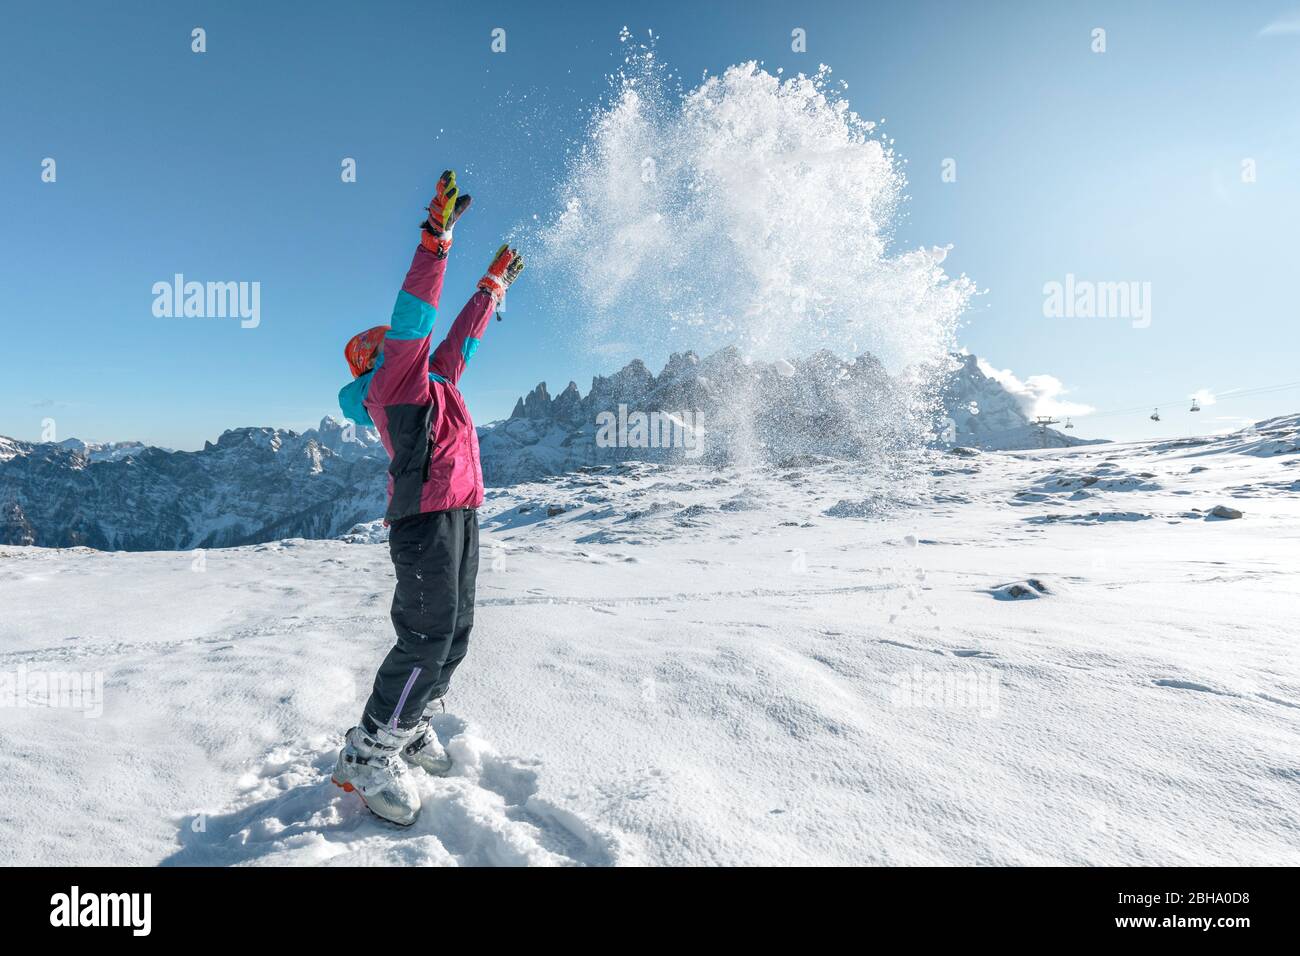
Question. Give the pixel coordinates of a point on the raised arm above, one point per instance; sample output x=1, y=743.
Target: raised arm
x=401, y=370
x=454, y=352
x=400, y=377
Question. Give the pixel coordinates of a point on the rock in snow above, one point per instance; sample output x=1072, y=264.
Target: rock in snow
x=1030, y=588
x=1223, y=511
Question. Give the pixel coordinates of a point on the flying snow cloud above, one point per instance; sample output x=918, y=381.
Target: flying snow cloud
x=1037, y=394
x=753, y=210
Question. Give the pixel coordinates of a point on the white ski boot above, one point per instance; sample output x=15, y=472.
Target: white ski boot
x=425, y=750
x=369, y=765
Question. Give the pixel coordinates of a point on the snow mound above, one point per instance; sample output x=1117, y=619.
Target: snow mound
x=1263, y=439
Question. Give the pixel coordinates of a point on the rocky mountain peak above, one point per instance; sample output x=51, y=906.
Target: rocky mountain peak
x=823, y=404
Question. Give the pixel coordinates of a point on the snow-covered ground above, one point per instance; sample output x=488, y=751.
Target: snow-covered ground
x=687, y=666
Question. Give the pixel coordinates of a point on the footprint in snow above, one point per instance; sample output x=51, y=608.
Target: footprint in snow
x=485, y=812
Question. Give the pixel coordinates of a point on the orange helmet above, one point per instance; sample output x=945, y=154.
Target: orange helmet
x=362, y=347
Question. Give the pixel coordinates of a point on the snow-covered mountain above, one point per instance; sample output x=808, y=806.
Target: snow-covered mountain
x=261, y=484
x=985, y=415
x=251, y=485
x=821, y=405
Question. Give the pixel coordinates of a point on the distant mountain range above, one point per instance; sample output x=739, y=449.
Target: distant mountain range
x=251, y=485
x=262, y=484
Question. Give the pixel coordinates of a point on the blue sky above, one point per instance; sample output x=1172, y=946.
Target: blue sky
x=1116, y=166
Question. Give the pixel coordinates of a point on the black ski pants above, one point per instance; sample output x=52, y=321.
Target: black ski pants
x=435, y=555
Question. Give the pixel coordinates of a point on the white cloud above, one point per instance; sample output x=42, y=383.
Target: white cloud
x=1285, y=25
x=1037, y=394
x=1203, y=397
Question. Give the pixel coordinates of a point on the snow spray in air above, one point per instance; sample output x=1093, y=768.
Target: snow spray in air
x=755, y=212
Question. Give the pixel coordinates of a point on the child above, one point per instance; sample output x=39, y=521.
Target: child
x=435, y=485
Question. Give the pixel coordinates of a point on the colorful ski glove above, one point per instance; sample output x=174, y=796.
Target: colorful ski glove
x=505, y=268
x=445, y=208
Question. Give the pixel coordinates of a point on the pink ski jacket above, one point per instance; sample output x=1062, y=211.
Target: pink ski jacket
x=411, y=397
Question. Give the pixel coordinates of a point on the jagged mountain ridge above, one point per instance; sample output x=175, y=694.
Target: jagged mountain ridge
x=261, y=484
x=819, y=405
